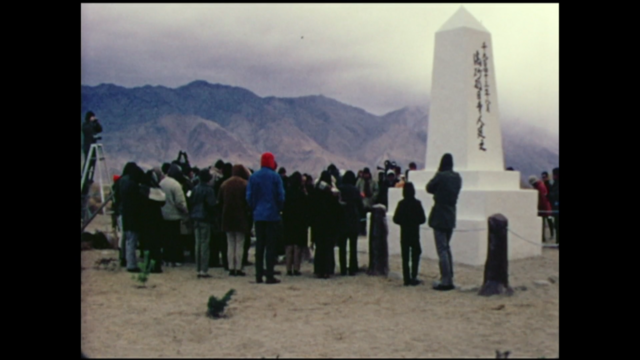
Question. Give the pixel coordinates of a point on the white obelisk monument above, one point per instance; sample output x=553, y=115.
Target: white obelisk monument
x=464, y=121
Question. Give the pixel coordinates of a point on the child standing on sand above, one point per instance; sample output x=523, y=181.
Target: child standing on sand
x=410, y=215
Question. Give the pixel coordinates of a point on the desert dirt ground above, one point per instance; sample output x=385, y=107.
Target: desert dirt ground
x=305, y=317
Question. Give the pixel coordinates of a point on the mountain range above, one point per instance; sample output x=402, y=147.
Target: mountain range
x=151, y=124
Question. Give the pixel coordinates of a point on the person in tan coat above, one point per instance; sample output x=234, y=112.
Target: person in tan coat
x=235, y=216
x=174, y=210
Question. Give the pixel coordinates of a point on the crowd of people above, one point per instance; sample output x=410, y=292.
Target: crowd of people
x=213, y=212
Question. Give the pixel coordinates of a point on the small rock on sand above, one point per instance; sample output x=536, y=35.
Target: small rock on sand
x=541, y=282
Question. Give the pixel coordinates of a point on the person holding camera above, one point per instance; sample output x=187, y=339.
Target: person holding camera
x=90, y=128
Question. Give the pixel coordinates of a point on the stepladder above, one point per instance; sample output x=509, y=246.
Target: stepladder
x=95, y=162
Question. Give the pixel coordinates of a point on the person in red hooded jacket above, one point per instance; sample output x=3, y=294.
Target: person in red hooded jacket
x=265, y=197
x=544, y=206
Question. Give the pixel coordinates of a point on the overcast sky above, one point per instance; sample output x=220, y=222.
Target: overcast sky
x=378, y=57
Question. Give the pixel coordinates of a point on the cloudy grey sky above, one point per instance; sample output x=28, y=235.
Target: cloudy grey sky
x=378, y=57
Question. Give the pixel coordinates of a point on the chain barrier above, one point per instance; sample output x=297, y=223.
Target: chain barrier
x=514, y=233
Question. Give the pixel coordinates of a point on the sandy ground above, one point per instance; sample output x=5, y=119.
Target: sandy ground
x=302, y=317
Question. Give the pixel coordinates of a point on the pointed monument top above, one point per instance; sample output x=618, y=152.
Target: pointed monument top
x=462, y=18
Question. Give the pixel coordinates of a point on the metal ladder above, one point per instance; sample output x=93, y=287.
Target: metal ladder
x=95, y=159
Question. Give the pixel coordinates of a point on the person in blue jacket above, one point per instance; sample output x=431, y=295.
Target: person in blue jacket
x=265, y=196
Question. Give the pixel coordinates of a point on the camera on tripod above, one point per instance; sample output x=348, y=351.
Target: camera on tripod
x=183, y=162
x=388, y=165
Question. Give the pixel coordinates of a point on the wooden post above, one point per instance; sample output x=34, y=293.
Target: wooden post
x=378, y=246
x=496, y=274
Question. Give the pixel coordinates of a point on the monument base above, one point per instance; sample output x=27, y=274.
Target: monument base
x=473, y=179
x=470, y=237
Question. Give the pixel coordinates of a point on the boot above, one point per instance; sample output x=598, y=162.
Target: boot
x=289, y=258
x=272, y=281
x=297, y=258
x=446, y=272
x=414, y=268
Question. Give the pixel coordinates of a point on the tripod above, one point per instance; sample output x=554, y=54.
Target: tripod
x=95, y=159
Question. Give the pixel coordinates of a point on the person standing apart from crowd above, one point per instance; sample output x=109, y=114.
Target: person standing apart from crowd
x=410, y=215
x=547, y=184
x=265, y=196
x=445, y=187
x=544, y=207
x=554, y=199
x=90, y=129
x=235, y=216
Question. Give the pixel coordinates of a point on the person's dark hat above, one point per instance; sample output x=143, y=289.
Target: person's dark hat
x=446, y=162
x=408, y=191
x=349, y=178
x=205, y=176
x=366, y=171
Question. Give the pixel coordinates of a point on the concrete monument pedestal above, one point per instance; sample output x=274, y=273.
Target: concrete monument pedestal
x=464, y=121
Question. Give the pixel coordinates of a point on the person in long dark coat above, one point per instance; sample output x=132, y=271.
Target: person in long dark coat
x=326, y=213
x=131, y=201
x=410, y=215
x=151, y=235
x=352, y=210
x=383, y=190
x=445, y=187
x=295, y=219
x=235, y=219
x=218, y=237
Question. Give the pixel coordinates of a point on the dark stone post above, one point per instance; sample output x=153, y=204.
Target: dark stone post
x=496, y=275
